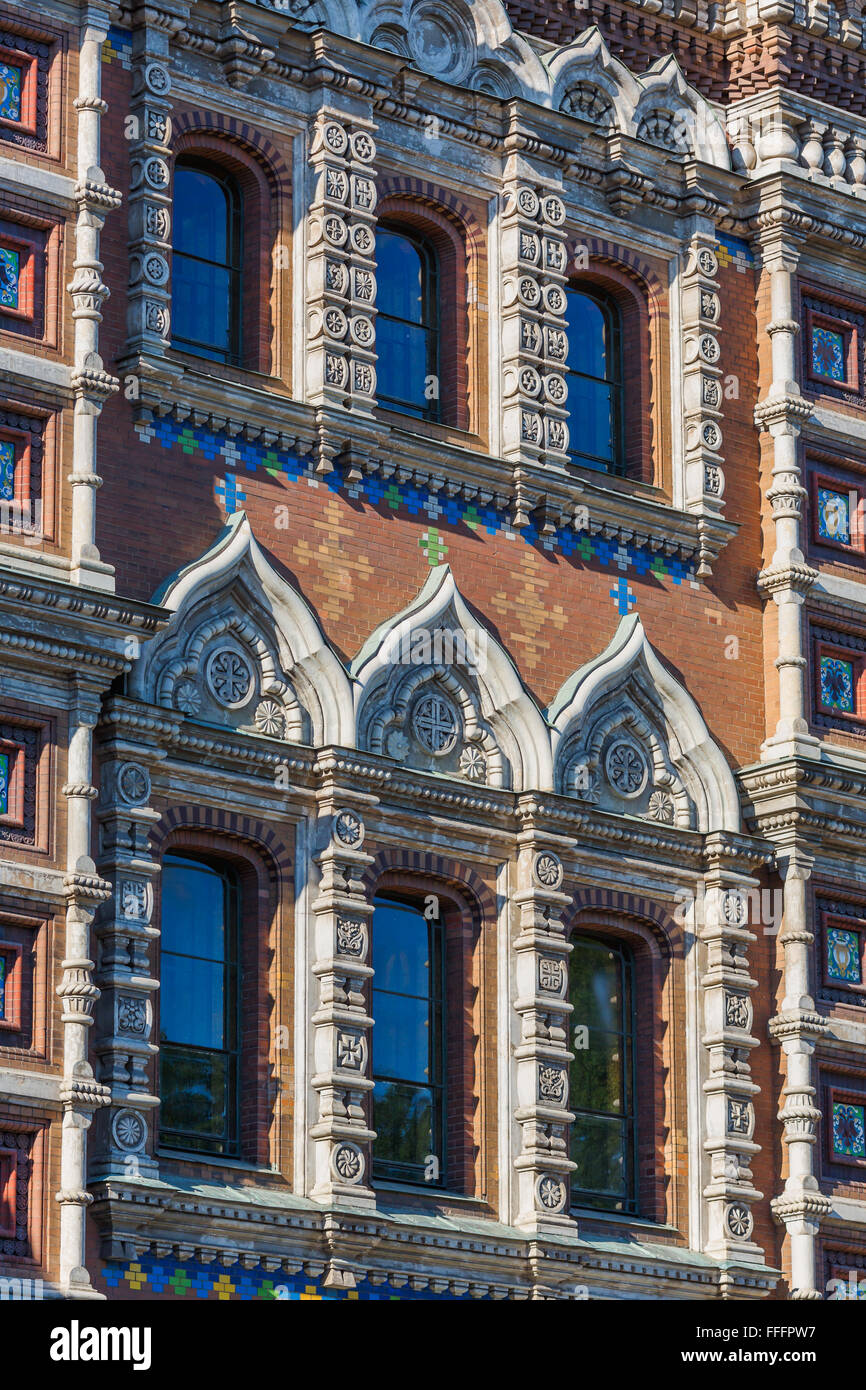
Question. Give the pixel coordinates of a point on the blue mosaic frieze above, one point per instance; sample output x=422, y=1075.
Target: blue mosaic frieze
x=240, y=456
x=150, y=1277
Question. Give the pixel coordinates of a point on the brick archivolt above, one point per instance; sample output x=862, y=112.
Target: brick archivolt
x=432, y=689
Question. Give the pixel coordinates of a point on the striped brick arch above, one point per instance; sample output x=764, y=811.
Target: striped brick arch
x=227, y=826
x=611, y=905
x=433, y=868
x=437, y=199
x=187, y=125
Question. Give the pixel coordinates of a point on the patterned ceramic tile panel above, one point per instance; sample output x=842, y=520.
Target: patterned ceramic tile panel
x=843, y=956
x=837, y=684
x=849, y=1130
x=7, y=470
x=10, y=278
x=834, y=521
x=10, y=92
x=828, y=354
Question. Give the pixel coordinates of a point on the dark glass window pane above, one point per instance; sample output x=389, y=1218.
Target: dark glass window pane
x=195, y=1093
x=192, y=1008
x=402, y=1036
x=596, y=987
x=408, y=1033
x=206, y=283
x=597, y=1079
x=587, y=336
x=198, y=1007
x=594, y=381
x=402, y=366
x=602, y=1092
x=201, y=215
x=193, y=910
x=201, y=300
x=401, y=954
x=404, y=1123
x=599, y=1148
x=400, y=277
x=590, y=407
x=407, y=324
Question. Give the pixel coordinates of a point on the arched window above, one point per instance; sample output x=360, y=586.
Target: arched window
x=602, y=1089
x=407, y=323
x=199, y=1002
x=408, y=1050
x=595, y=381
x=206, y=263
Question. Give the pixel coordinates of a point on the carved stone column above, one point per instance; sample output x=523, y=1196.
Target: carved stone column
x=726, y=986
x=787, y=578
x=801, y=1205
x=80, y=1093
x=340, y=1133
x=534, y=340
x=702, y=381
x=542, y=1057
x=91, y=384
x=124, y=1139
x=341, y=278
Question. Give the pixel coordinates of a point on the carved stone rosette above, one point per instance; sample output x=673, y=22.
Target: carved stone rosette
x=542, y=1057
x=702, y=380
x=149, y=125
x=341, y=1024
x=341, y=268
x=534, y=338
x=124, y=1141
x=726, y=987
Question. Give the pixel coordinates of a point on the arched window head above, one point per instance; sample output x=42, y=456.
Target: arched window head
x=595, y=380
x=407, y=323
x=199, y=1002
x=408, y=1049
x=602, y=1088
x=206, y=263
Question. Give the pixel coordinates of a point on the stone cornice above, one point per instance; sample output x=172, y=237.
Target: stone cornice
x=293, y=1234
x=44, y=622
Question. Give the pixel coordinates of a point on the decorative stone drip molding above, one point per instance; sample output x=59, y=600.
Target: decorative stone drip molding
x=801, y=1206
x=534, y=338
x=726, y=986
x=542, y=1057
x=91, y=383
x=340, y=1135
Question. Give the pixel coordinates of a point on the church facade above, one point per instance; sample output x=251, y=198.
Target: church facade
x=433, y=679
